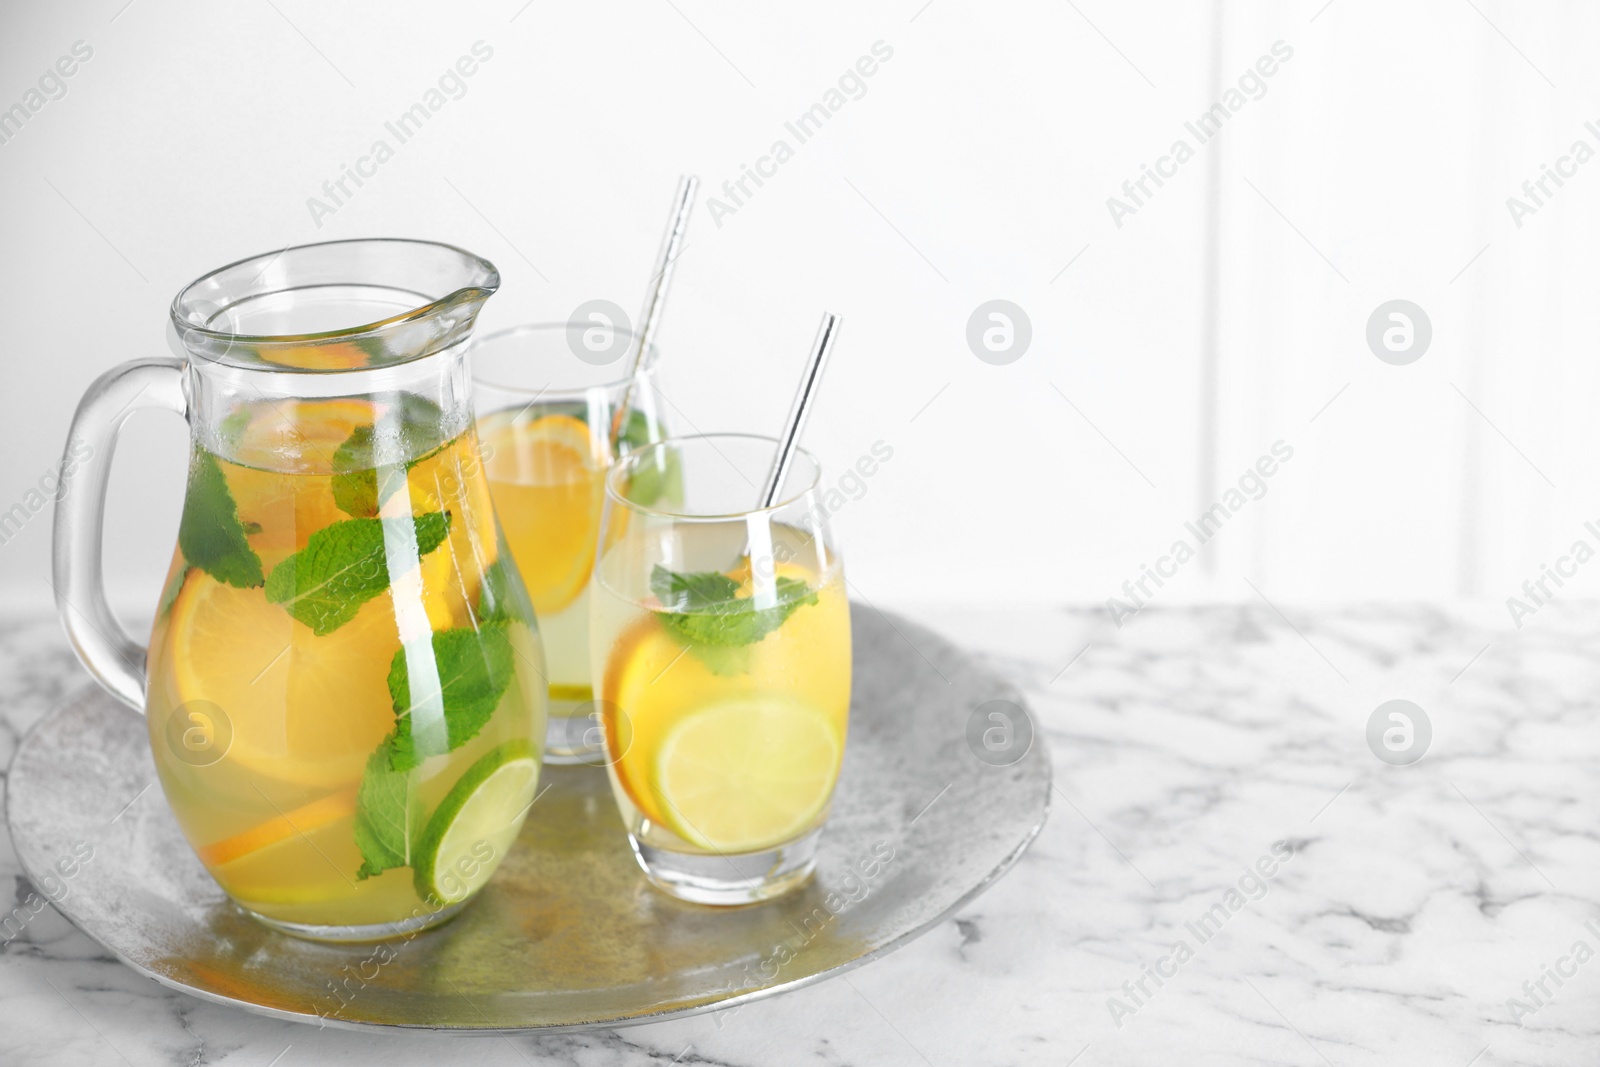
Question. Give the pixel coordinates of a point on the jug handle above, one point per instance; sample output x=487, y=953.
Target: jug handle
x=115, y=659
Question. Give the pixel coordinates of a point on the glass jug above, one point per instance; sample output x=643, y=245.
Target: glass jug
x=344, y=684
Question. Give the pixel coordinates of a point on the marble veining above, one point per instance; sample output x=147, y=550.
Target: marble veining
x=1411, y=915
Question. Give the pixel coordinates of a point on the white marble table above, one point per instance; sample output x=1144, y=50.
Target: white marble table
x=1188, y=747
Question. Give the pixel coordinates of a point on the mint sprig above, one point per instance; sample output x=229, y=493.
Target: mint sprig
x=210, y=535
x=501, y=595
x=344, y=565
x=473, y=668
x=388, y=815
x=704, y=610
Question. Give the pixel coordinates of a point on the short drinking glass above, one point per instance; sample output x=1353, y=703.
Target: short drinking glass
x=721, y=640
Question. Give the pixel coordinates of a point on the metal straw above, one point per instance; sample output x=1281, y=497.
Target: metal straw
x=656, y=302
x=827, y=333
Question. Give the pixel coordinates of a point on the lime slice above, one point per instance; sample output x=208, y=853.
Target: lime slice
x=475, y=824
x=748, y=773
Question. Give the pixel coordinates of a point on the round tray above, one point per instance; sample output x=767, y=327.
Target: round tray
x=568, y=935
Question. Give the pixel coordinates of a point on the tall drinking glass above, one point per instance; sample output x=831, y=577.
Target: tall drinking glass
x=721, y=640
x=547, y=396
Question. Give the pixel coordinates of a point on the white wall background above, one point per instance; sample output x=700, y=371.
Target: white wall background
x=1170, y=354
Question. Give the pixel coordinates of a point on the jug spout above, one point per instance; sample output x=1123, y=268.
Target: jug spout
x=290, y=353
x=334, y=307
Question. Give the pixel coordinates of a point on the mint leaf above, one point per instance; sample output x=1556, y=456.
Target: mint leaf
x=210, y=534
x=473, y=667
x=501, y=596
x=355, y=482
x=356, y=477
x=701, y=591
x=663, y=480
x=410, y=430
x=635, y=432
x=170, y=593
x=343, y=566
x=388, y=815
x=232, y=427
x=704, y=610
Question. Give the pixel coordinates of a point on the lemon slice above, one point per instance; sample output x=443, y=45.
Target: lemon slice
x=291, y=861
x=304, y=709
x=343, y=355
x=748, y=773
x=547, y=478
x=299, y=822
x=476, y=823
x=548, y=450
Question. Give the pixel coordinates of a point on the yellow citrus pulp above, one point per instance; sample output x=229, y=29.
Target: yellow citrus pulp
x=547, y=476
x=732, y=750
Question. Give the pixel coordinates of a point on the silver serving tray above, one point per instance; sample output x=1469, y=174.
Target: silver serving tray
x=568, y=935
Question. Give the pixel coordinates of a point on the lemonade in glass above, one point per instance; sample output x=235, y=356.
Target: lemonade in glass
x=553, y=417
x=722, y=667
